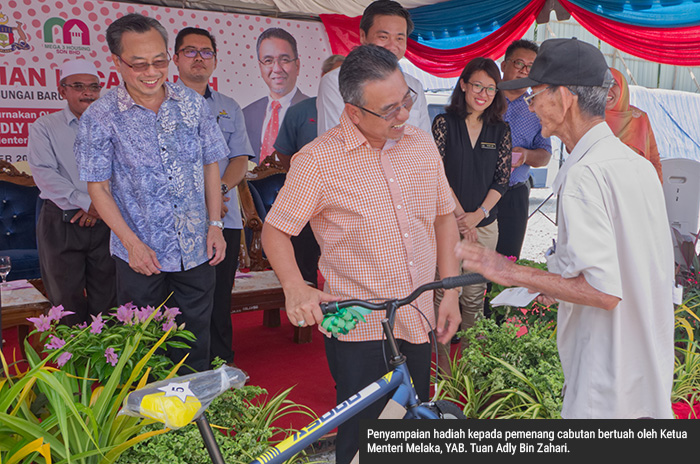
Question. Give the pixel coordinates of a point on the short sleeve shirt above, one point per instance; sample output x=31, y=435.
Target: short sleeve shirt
x=614, y=231
x=229, y=116
x=154, y=165
x=373, y=214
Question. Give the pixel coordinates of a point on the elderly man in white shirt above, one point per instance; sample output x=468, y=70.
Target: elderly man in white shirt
x=612, y=269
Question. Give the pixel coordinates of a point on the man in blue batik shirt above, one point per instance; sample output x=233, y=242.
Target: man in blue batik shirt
x=149, y=151
x=195, y=58
x=535, y=150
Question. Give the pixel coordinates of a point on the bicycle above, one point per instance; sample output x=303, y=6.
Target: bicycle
x=398, y=380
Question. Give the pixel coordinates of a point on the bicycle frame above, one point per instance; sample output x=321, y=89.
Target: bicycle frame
x=398, y=379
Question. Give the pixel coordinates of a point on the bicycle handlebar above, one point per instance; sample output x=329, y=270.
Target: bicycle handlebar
x=446, y=283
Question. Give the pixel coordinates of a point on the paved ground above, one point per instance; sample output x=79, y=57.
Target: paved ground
x=540, y=230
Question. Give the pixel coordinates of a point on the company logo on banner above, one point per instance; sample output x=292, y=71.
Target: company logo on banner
x=37, y=36
x=73, y=33
x=12, y=38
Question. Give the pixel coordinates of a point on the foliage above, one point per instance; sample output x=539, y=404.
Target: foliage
x=247, y=425
x=502, y=374
x=64, y=415
x=101, y=343
x=531, y=314
x=686, y=382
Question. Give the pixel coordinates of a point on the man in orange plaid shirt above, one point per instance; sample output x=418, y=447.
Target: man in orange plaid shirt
x=375, y=192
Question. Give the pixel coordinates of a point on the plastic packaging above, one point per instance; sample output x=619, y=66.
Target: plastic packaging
x=178, y=401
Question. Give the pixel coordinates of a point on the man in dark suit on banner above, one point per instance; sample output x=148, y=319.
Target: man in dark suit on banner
x=279, y=68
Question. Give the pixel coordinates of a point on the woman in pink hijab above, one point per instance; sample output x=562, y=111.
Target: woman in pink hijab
x=629, y=123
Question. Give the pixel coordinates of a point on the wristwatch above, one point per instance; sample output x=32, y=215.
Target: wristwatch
x=224, y=188
x=486, y=212
x=219, y=224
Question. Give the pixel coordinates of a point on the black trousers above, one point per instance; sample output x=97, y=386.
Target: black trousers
x=76, y=267
x=221, y=332
x=193, y=294
x=354, y=365
x=512, y=220
x=307, y=252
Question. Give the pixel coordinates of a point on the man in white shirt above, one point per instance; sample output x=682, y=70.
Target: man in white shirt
x=70, y=234
x=279, y=67
x=386, y=24
x=612, y=270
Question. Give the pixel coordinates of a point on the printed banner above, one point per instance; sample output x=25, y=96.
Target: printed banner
x=37, y=36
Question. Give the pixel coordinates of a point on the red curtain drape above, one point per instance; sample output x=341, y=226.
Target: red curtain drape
x=676, y=46
x=343, y=34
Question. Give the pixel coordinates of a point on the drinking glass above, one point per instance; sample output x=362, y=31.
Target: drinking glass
x=5, y=266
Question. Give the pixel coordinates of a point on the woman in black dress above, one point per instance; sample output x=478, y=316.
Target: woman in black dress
x=475, y=146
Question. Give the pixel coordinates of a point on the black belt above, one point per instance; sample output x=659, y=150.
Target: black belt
x=519, y=184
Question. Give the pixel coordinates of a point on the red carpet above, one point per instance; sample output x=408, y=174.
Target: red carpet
x=273, y=361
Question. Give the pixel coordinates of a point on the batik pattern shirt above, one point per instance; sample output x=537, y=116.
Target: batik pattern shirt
x=154, y=165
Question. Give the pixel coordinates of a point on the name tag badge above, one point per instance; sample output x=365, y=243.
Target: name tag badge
x=488, y=146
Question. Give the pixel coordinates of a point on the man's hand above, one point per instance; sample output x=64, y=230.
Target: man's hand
x=142, y=259
x=495, y=267
x=216, y=245
x=517, y=163
x=86, y=218
x=449, y=317
x=302, y=304
x=224, y=208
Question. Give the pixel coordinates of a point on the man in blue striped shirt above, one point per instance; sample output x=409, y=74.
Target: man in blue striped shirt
x=535, y=150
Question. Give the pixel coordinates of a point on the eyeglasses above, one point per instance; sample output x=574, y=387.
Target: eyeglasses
x=478, y=88
x=529, y=98
x=281, y=60
x=407, y=103
x=80, y=87
x=141, y=67
x=520, y=64
x=206, y=54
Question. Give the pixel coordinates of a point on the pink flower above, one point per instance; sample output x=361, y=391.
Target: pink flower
x=171, y=313
x=97, y=324
x=125, y=313
x=55, y=343
x=111, y=356
x=42, y=323
x=57, y=312
x=63, y=358
x=512, y=258
x=169, y=324
x=145, y=313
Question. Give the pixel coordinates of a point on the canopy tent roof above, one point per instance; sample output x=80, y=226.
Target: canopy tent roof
x=448, y=34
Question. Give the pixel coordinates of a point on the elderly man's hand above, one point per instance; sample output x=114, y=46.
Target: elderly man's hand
x=495, y=267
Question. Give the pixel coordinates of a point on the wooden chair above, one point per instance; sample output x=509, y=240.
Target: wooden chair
x=256, y=193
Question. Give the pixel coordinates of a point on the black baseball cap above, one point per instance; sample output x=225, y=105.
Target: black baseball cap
x=564, y=62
